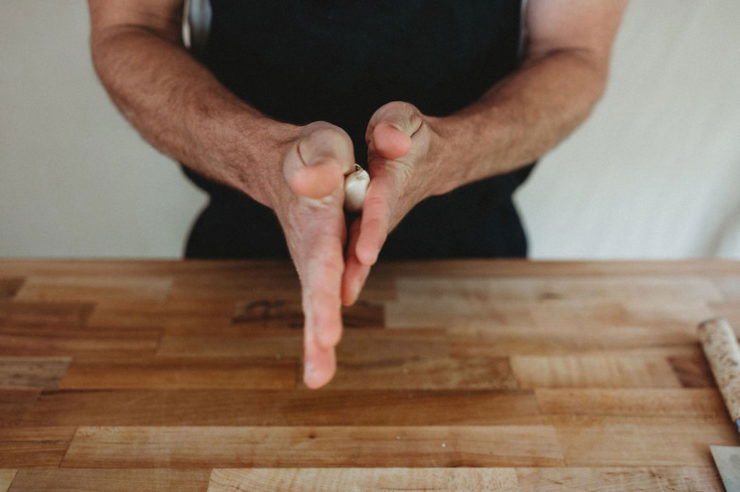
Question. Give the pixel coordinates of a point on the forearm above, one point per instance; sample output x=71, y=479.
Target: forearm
x=522, y=117
x=178, y=106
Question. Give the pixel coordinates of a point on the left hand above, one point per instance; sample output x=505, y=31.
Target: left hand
x=406, y=163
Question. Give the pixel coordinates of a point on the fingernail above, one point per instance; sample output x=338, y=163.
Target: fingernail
x=307, y=370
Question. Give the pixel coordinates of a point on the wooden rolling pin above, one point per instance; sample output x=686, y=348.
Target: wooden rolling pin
x=720, y=346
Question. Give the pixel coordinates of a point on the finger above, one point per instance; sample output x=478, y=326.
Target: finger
x=315, y=166
x=355, y=272
x=376, y=219
x=322, y=293
x=390, y=142
x=319, y=363
x=391, y=127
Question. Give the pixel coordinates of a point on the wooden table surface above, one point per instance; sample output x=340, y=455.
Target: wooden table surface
x=452, y=375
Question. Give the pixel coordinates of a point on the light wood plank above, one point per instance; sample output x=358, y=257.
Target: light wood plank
x=370, y=479
x=419, y=446
x=6, y=478
x=44, y=313
x=289, y=407
x=33, y=446
x=475, y=293
x=91, y=289
x=425, y=373
x=110, y=480
x=596, y=371
x=180, y=373
x=730, y=287
x=480, y=338
x=729, y=310
x=32, y=372
x=620, y=441
x=687, y=403
x=633, y=479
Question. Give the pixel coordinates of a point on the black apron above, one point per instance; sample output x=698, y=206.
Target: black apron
x=300, y=61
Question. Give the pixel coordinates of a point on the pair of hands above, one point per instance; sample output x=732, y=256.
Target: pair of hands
x=406, y=160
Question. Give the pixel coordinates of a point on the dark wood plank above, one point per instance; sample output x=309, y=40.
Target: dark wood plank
x=33, y=446
x=280, y=313
x=692, y=371
x=14, y=404
x=9, y=286
x=32, y=372
x=24, y=340
x=138, y=313
x=146, y=372
x=290, y=407
x=356, y=345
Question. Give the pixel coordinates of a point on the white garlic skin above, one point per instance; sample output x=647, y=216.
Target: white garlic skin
x=355, y=187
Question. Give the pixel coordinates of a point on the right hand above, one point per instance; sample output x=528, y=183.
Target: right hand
x=308, y=201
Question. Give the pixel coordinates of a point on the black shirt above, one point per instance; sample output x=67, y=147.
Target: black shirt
x=340, y=60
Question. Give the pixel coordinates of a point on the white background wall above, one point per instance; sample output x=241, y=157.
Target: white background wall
x=655, y=173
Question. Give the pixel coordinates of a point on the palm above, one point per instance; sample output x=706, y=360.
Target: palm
x=315, y=232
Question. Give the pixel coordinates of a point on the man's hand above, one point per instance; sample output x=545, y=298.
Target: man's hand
x=408, y=161
x=310, y=210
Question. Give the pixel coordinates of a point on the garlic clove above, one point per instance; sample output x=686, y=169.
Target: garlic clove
x=355, y=187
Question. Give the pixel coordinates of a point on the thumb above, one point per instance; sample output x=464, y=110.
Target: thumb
x=316, y=164
x=391, y=127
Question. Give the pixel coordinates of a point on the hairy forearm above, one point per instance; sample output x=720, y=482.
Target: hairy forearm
x=178, y=106
x=522, y=117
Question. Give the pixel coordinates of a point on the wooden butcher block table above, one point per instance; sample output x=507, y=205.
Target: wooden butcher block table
x=452, y=375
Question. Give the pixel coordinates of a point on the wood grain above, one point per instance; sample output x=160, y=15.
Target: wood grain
x=638, y=402
x=263, y=407
x=32, y=372
x=109, y=480
x=605, y=370
x=6, y=478
x=633, y=479
x=459, y=374
x=416, y=446
x=309, y=479
x=33, y=446
x=426, y=373
x=9, y=286
x=180, y=373
x=618, y=441
x=45, y=314
x=73, y=288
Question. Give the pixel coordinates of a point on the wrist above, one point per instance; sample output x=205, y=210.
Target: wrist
x=451, y=154
x=472, y=149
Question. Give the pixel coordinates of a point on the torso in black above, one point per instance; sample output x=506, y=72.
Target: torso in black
x=339, y=60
